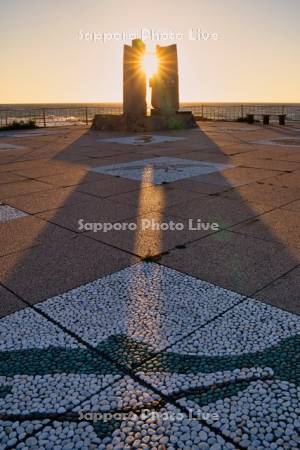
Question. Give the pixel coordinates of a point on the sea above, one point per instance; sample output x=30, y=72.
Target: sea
x=57, y=114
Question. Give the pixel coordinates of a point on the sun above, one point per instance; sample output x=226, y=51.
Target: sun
x=149, y=64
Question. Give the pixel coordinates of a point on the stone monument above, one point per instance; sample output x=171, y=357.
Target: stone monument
x=134, y=79
x=164, y=83
x=165, y=114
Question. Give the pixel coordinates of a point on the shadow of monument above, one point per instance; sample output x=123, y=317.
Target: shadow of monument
x=211, y=202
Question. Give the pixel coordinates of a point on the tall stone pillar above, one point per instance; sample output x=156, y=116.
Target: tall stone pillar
x=134, y=79
x=165, y=84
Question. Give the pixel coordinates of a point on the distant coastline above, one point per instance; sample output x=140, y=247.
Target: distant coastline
x=58, y=114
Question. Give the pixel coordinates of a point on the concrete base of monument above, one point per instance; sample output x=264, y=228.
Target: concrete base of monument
x=138, y=123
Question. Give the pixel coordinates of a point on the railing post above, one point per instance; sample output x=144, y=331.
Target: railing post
x=202, y=111
x=44, y=117
x=242, y=111
x=86, y=116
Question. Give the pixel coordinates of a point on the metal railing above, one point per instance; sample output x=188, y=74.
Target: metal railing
x=59, y=116
x=80, y=115
x=238, y=112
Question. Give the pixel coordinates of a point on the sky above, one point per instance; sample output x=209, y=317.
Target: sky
x=248, y=50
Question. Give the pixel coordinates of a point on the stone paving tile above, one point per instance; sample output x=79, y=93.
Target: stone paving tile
x=236, y=128
x=140, y=419
x=47, y=200
x=29, y=232
x=22, y=187
x=145, y=306
x=159, y=170
x=195, y=185
x=109, y=160
x=78, y=159
x=71, y=178
x=47, y=270
x=166, y=151
x=237, y=176
x=281, y=226
x=5, y=161
x=19, y=138
x=268, y=163
x=286, y=180
x=7, y=213
x=43, y=373
x=293, y=206
x=210, y=155
x=9, y=303
x=54, y=168
x=156, y=198
x=224, y=139
x=272, y=195
x=20, y=165
x=94, y=210
x=198, y=144
x=234, y=261
x=10, y=178
x=241, y=148
x=292, y=156
x=243, y=367
x=9, y=159
x=266, y=151
x=284, y=292
x=111, y=186
x=221, y=210
x=28, y=147
x=96, y=150
x=154, y=234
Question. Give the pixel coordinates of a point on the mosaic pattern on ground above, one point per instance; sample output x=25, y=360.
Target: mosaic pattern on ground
x=31, y=133
x=9, y=213
x=161, y=170
x=281, y=141
x=238, y=129
x=5, y=147
x=144, y=139
x=214, y=369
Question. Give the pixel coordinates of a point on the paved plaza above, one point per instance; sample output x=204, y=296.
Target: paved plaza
x=150, y=337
